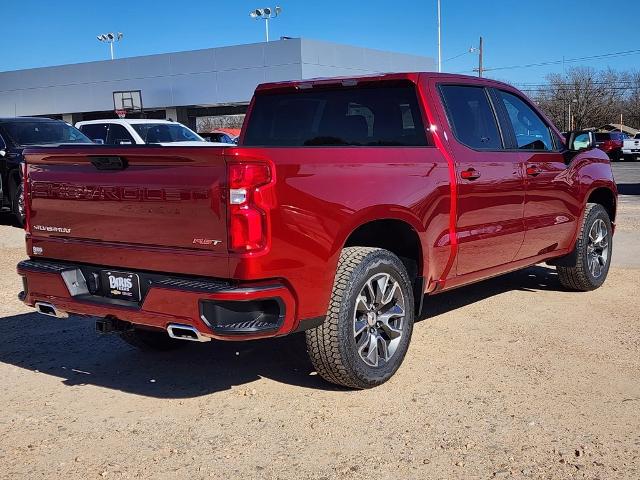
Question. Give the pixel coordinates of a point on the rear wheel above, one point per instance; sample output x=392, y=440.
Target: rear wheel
x=151, y=340
x=593, y=252
x=366, y=334
x=17, y=202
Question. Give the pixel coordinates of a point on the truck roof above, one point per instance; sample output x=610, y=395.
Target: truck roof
x=373, y=78
x=27, y=119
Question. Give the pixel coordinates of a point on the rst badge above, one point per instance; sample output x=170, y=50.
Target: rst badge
x=206, y=241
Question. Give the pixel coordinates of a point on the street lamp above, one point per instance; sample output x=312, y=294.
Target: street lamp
x=266, y=14
x=110, y=38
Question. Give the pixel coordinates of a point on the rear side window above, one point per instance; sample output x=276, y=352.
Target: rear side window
x=118, y=135
x=362, y=116
x=471, y=117
x=530, y=130
x=95, y=131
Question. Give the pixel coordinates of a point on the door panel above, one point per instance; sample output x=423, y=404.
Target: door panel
x=490, y=227
x=551, y=210
x=490, y=210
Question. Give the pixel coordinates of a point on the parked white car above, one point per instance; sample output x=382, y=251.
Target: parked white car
x=142, y=131
x=631, y=148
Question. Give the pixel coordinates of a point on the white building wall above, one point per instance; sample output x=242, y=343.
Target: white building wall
x=215, y=76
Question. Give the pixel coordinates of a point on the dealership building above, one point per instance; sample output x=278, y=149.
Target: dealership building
x=214, y=83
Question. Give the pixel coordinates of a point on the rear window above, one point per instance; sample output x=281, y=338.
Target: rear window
x=362, y=116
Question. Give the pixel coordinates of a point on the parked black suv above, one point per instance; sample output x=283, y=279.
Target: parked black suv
x=15, y=135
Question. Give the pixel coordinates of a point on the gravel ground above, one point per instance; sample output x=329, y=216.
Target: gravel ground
x=512, y=377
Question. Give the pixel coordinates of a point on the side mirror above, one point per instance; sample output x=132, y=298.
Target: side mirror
x=581, y=140
x=99, y=141
x=3, y=153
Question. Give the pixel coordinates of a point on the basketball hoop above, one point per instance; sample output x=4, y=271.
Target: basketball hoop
x=128, y=102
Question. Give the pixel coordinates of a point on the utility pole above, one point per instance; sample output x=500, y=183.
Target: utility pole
x=439, y=40
x=481, y=53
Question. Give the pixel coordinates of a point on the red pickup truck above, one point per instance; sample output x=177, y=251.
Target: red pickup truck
x=345, y=202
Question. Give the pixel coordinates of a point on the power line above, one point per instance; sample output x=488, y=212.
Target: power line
x=566, y=60
x=456, y=56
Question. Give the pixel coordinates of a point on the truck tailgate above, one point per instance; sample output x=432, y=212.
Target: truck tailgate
x=167, y=199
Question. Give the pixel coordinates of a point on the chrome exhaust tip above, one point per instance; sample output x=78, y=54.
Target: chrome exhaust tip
x=50, y=310
x=186, y=332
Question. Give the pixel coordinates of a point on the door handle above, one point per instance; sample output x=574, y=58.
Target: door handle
x=470, y=174
x=533, y=170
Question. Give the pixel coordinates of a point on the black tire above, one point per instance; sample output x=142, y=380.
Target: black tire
x=580, y=276
x=17, y=202
x=151, y=340
x=332, y=347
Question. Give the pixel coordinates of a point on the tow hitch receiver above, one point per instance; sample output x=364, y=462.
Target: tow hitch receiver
x=112, y=325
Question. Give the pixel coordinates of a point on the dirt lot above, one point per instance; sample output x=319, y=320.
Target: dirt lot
x=513, y=377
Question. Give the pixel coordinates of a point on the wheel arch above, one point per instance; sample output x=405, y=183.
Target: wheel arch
x=605, y=196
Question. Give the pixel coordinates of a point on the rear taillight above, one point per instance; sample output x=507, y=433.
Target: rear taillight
x=26, y=198
x=251, y=198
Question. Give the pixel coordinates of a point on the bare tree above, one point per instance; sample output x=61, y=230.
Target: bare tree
x=593, y=98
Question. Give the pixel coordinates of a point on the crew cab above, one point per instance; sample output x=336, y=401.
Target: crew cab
x=16, y=134
x=347, y=204
x=631, y=148
x=140, y=131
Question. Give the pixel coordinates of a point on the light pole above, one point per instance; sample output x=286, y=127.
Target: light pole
x=439, y=40
x=570, y=117
x=266, y=14
x=110, y=38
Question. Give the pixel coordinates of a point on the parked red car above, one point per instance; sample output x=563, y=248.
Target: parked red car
x=347, y=200
x=611, y=143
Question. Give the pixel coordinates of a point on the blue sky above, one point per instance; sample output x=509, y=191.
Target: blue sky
x=46, y=32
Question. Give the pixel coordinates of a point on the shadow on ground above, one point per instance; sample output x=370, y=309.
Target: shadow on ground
x=628, y=188
x=71, y=350
x=8, y=219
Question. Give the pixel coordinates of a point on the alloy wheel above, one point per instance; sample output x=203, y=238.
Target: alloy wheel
x=598, y=248
x=378, y=319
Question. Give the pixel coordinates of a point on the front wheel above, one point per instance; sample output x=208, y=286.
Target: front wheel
x=366, y=334
x=592, y=254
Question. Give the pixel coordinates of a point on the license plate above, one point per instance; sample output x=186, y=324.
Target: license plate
x=120, y=285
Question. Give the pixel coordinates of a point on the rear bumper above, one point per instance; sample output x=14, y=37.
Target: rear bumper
x=216, y=308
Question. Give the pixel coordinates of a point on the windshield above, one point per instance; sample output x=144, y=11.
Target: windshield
x=43, y=133
x=165, y=133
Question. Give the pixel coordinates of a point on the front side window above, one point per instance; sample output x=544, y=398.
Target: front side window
x=471, y=117
x=26, y=133
x=530, y=130
x=355, y=116
x=165, y=133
